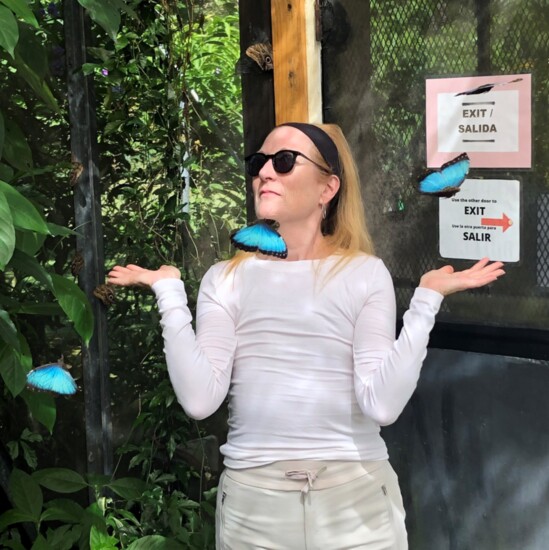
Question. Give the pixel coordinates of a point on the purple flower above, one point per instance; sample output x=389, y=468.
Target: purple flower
x=105, y=72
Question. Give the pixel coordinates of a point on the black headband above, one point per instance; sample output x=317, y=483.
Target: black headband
x=323, y=142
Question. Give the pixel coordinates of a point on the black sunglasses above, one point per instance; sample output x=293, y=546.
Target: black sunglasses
x=283, y=162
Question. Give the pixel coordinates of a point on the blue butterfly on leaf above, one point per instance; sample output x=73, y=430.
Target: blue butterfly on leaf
x=53, y=377
x=260, y=236
x=446, y=180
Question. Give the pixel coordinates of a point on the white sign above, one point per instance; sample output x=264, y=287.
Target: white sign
x=484, y=124
x=482, y=220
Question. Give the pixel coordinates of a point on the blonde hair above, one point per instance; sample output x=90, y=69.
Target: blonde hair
x=344, y=227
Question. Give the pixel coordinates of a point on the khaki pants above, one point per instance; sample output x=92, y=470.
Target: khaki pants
x=311, y=506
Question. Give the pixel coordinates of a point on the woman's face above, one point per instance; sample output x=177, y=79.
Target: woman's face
x=298, y=195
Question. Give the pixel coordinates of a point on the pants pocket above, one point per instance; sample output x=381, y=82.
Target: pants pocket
x=220, y=514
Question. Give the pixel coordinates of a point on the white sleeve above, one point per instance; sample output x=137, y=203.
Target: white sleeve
x=387, y=371
x=199, y=365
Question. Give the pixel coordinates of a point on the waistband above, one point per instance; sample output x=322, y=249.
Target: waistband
x=289, y=475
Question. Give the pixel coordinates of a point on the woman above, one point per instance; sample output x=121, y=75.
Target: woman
x=305, y=349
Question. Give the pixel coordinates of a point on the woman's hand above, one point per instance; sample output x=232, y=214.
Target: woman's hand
x=133, y=275
x=447, y=281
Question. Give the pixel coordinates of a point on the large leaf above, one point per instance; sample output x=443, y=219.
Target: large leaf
x=64, y=510
x=60, y=480
x=16, y=149
x=32, y=52
x=26, y=494
x=8, y=331
x=27, y=266
x=42, y=408
x=155, y=542
x=105, y=14
x=29, y=242
x=14, y=516
x=75, y=304
x=2, y=134
x=38, y=84
x=22, y=10
x=9, y=31
x=129, y=488
x=7, y=232
x=12, y=370
x=24, y=213
x=101, y=540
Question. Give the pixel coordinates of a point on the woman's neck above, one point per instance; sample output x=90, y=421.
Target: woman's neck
x=305, y=245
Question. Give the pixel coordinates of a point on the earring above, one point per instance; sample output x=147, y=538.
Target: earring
x=324, y=211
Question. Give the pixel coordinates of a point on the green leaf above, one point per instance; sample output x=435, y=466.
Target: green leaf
x=59, y=230
x=25, y=215
x=42, y=408
x=28, y=241
x=44, y=308
x=60, y=480
x=12, y=370
x=38, y=84
x=2, y=134
x=6, y=172
x=29, y=455
x=27, y=266
x=101, y=540
x=31, y=51
x=75, y=304
x=22, y=10
x=7, y=232
x=104, y=14
x=155, y=542
x=26, y=494
x=64, y=510
x=9, y=31
x=129, y=488
x=14, y=516
x=8, y=331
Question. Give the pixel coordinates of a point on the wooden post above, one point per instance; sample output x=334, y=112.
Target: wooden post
x=296, y=57
x=89, y=241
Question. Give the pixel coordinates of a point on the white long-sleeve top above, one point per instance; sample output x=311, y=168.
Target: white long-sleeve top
x=309, y=362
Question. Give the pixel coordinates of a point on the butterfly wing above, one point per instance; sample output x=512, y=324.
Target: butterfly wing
x=53, y=378
x=260, y=236
x=445, y=182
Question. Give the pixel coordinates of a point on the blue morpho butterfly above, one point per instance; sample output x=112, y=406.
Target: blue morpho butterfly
x=261, y=236
x=445, y=181
x=52, y=377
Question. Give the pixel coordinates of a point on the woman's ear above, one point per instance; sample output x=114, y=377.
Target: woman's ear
x=331, y=187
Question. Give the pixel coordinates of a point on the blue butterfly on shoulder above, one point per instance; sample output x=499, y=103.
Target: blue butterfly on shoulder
x=260, y=236
x=53, y=377
x=446, y=180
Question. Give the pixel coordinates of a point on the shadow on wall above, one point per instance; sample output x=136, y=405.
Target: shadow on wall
x=472, y=453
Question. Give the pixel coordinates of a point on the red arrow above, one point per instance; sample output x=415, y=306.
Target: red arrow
x=504, y=222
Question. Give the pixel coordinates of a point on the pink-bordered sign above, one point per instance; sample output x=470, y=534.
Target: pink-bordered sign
x=493, y=127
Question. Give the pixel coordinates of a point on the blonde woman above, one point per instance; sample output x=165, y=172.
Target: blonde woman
x=304, y=347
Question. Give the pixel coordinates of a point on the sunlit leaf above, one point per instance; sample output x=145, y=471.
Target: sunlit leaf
x=26, y=494
x=7, y=232
x=60, y=480
x=155, y=542
x=9, y=31
x=75, y=304
x=24, y=213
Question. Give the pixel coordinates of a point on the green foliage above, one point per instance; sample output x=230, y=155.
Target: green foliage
x=169, y=131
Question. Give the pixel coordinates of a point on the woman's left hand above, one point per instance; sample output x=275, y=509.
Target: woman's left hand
x=447, y=281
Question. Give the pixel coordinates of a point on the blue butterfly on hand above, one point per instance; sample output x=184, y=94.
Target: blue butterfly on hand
x=52, y=377
x=445, y=181
x=261, y=236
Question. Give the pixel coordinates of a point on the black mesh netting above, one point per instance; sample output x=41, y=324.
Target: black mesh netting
x=376, y=57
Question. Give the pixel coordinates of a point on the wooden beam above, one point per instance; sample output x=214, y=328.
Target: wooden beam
x=296, y=56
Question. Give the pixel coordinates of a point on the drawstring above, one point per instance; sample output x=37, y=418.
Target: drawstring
x=305, y=474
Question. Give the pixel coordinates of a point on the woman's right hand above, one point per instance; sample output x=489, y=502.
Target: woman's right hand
x=133, y=275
